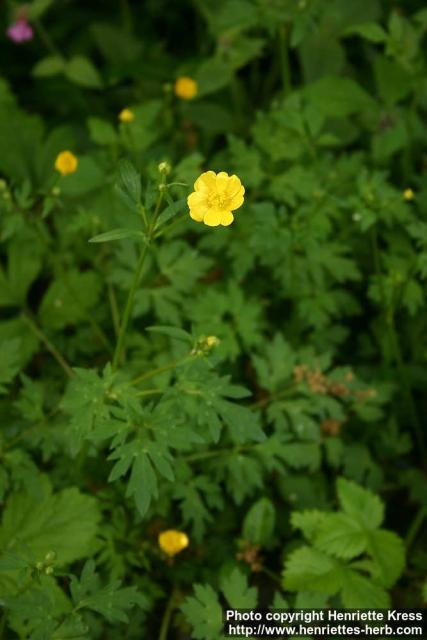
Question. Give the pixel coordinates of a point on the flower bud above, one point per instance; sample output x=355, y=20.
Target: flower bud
x=50, y=557
x=173, y=542
x=164, y=168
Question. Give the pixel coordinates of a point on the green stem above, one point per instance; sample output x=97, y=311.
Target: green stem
x=129, y=308
x=273, y=397
x=272, y=575
x=416, y=524
x=396, y=352
x=45, y=38
x=150, y=392
x=204, y=455
x=284, y=59
x=2, y=624
x=114, y=310
x=163, y=635
x=48, y=344
x=136, y=280
x=418, y=431
x=158, y=370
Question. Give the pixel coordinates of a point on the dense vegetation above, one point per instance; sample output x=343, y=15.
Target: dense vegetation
x=197, y=411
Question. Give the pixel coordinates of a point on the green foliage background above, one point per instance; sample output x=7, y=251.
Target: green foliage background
x=293, y=453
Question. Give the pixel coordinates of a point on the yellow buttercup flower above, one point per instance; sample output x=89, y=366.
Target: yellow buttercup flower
x=214, y=198
x=126, y=115
x=66, y=162
x=408, y=195
x=185, y=88
x=173, y=542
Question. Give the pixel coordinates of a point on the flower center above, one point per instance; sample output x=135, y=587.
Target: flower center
x=217, y=201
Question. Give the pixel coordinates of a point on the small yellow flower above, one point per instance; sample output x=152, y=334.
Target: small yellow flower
x=214, y=198
x=212, y=341
x=408, y=195
x=185, y=88
x=126, y=115
x=173, y=542
x=66, y=162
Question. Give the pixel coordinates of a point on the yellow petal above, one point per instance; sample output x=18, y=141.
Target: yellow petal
x=197, y=215
x=195, y=199
x=213, y=218
x=226, y=218
x=234, y=185
x=237, y=200
x=222, y=182
x=205, y=181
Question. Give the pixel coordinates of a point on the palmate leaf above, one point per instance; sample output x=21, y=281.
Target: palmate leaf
x=199, y=496
x=358, y=592
x=275, y=366
x=310, y=569
x=308, y=522
x=65, y=523
x=28, y=610
x=340, y=536
x=10, y=362
x=204, y=613
x=85, y=401
x=237, y=592
x=361, y=504
x=111, y=601
x=388, y=553
x=144, y=458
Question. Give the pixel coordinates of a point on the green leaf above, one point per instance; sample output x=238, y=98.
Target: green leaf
x=302, y=454
x=358, y=592
x=129, y=182
x=143, y=458
x=369, y=30
x=213, y=74
x=258, y=525
x=49, y=66
x=38, y=7
x=393, y=82
x=117, y=234
x=111, y=601
x=276, y=365
x=69, y=298
x=101, y=131
x=308, y=522
x=173, y=332
x=65, y=523
x=339, y=96
x=235, y=588
x=10, y=362
x=81, y=71
x=171, y=211
x=204, y=613
x=340, y=536
x=388, y=552
x=310, y=569
x=360, y=504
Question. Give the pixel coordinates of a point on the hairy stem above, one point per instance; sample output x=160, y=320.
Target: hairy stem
x=136, y=281
x=48, y=344
x=167, y=615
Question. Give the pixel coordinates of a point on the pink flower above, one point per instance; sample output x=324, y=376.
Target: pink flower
x=20, y=31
